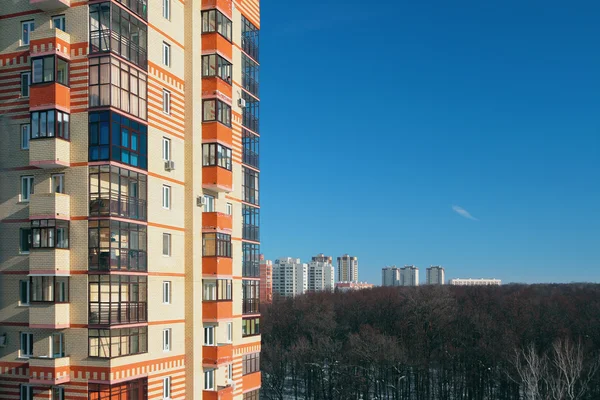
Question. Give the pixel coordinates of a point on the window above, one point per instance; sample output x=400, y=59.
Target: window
x=209, y=379
x=250, y=363
x=117, y=299
x=166, y=149
x=26, y=187
x=219, y=289
x=216, y=244
x=250, y=36
x=50, y=233
x=250, y=186
x=166, y=244
x=50, y=69
x=251, y=223
x=140, y=7
x=166, y=56
x=167, y=388
x=130, y=390
x=117, y=246
x=253, y=395
x=25, y=83
x=166, y=9
x=115, y=83
x=58, y=393
x=24, y=240
x=229, y=332
x=250, y=327
x=49, y=289
x=166, y=101
x=166, y=196
x=250, y=260
x=115, y=137
x=58, y=183
x=117, y=192
x=215, y=65
x=250, y=70
x=26, y=392
x=230, y=371
x=250, y=112
x=250, y=297
x=111, y=343
x=216, y=110
x=166, y=339
x=50, y=123
x=166, y=292
x=209, y=335
x=250, y=150
x=215, y=21
x=214, y=154
x=26, y=28
x=24, y=293
x=209, y=203
x=25, y=135
x=26, y=345
x=229, y=209
x=58, y=22
x=58, y=345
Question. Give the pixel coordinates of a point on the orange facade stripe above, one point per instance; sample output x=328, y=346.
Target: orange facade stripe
x=160, y=128
x=166, y=322
x=167, y=73
x=20, y=14
x=175, y=228
x=167, y=36
x=155, y=175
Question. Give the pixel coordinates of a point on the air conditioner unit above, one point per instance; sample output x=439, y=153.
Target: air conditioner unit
x=200, y=201
x=230, y=382
x=242, y=103
x=169, y=165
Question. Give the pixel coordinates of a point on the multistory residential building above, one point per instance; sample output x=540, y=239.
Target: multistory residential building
x=390, y=276
x=474, y=282
x=436, y=275
x=290, y=277
x=348, y=286
x=266, y=280
x=129, y=256
x=409, y=276
x=347, y=268
x=321, y=274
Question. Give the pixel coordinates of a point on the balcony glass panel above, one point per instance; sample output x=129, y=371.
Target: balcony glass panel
x=117, y=192
x=117, y=246
x=117, y=299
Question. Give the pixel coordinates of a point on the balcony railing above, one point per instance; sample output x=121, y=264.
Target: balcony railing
x=108, y=204
x=251, y=306
x=117, y=313
x=103, y=259
x=107, y=40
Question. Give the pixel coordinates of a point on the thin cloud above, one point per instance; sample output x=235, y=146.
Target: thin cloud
x=463, y=213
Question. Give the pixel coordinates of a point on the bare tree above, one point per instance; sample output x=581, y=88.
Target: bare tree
x=568, y=379
x=532, y=370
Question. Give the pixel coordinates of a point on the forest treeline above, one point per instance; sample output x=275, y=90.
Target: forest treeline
x=533, y=342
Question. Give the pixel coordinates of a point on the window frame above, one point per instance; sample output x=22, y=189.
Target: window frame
x=167, y=388
x=30, y=185
x=166, y=197
x=209, y=335
x=222, y=112
x=217, y=155
x=166, y=102
x=60, y=123
x=166, y=149
x=49, y=289
x=219, y=24
x=166, y=9
x=229, y=209
x=28, y=343
x=62, y=20
x=166, y=292
x=209, y=379
x=168, y=238
x=58, y=393
x=61, y=344
x=50, y=233
x=209, y=203
x=109, y=339
x=55, y=60
x=24, y=284
x=25, y=130
x=215, y=65
x=216, y=244
x=26, y=392
x=166, y=54
x=166, y=340
x=28, y=75
x=30, y=24
x=61, y=183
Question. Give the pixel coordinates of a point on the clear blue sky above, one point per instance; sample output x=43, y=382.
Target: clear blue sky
x=377, y=120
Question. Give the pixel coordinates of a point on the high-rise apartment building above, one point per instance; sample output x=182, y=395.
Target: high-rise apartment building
x=347, y=268
x=436, y=275
x=266, y=280
x=129, y=259
x=321, y=274
x=390, y=276
x=290, y=277
x=409, y=276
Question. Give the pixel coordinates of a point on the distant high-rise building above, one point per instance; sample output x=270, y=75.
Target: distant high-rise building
x=320, y=274
x=347, y=286
x=436, y=275
x=266, y=280
x=347, y=268
x=390, y=276
x=409, y=276
x=475, y=282
x=290, y=277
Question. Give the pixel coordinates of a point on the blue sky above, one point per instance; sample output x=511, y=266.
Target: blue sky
x=376, y=121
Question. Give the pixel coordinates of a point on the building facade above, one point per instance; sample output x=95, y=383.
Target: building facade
x=409, y=276
x=436, y=275
x=347, y=268
x=475, y=282
x=266, y=280
x=321, y=274
x=348, y=286
x=290, y=277
x=129, y=260
x=390, y=276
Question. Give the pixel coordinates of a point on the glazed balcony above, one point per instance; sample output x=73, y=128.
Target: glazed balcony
x=118, y=313
x=49, y=153
x=217, y=266
x=213, y=311
x=49, y=371
x=49, y=261
x=49, y=315
x=107, y=204
x=50, y=5
x=216, y=221
x=222, y=393
x=217, y=179
x=50, y=205
x=213, y=85
x=213, y=356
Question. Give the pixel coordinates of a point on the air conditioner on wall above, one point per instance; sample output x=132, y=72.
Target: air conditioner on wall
x=242, y=103
x=169, y=165
x=200, y=201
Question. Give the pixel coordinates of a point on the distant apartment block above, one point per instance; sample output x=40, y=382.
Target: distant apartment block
x=409, y=276
x=435, y=275
x=290, y=277
x=320, y=274
x=347, y=268
x=266, y=280
x=475, y=282
x=347, y=286
x=390, y=276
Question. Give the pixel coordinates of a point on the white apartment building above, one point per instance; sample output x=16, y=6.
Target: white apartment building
x=390, y=276
x=347, y=268
x=409, y=276
x=290, y=277
x=436, y=275
x=475, y=282
x=321, y=274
